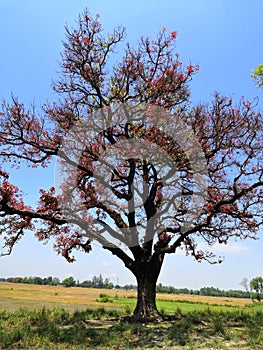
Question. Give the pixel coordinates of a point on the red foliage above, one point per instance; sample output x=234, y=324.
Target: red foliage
x=137, y=189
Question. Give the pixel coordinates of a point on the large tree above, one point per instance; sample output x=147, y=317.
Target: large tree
x=141, y=170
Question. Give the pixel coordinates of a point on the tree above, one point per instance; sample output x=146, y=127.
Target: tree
x=142, y=171
x=69, y=282
x=55, y=281
x=245, y=283
x=38, y=280
x=97, y=282
x=257, y=75
x=256, y=284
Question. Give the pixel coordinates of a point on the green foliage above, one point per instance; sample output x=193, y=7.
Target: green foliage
x=69, y=282
x=256, y=284
x=51, y=281
x=104, y=298
x=166, y=289
x=218, y=324
x=257, y=75
x=254, y=328
x=180, y=331
x=95, y=282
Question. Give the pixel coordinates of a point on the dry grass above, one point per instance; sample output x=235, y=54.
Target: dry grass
x=206, y=299
x=14, y=295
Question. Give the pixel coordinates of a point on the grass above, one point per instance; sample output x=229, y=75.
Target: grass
x=99, y=329
x=43, y=317
x=14, y=295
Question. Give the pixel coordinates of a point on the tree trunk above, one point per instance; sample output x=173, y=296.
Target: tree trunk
x=147, y=275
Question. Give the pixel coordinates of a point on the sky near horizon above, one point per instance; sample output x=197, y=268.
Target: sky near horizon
x=222, y=36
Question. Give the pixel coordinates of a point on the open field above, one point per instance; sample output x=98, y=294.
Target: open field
x=46, y=317
x=13, y=296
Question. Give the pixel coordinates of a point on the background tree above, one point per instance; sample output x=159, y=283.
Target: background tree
x=245, y=283
x=98, y=282
x=69, y=282
x=256, y=284
x=257, y=75
x=150, y=205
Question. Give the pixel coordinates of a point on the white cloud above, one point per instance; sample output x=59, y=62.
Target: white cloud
x=229, y=248
x=217, y=248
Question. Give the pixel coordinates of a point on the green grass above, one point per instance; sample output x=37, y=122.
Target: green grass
x=190, y=328
x=61, y=324
x=170, y=306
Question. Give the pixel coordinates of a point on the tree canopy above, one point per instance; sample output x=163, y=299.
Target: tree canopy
x=256, y=284
x=141, y=170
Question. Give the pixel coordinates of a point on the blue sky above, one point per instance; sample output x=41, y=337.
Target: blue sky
x=224, y=37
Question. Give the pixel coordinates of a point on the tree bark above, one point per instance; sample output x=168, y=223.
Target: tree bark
x=147, y=275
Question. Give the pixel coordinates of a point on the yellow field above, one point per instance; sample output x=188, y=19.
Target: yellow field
x=13, y=296
x=206, y=299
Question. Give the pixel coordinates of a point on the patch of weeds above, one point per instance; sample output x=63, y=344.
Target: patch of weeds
x=255, y=331
x=127, y=310
x=105, y=298
x=12, y=337
x=38, y=317
x=178, y=312
x=79, y=316
x=208, y=311
x=113, y=313
x=218, y=325
x=99, y=313
x=60, y=316
x=49, y=331
x=180, y=331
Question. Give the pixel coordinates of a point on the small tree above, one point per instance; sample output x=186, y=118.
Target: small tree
x=97, y=282
x=69, y=282
x=143, y=172
x=245, y=283
x=256, y=284
x=55, y=281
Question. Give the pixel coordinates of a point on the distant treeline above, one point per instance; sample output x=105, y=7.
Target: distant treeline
x=100, y=282
x=95, y=282
x=209, y=291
